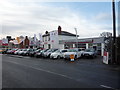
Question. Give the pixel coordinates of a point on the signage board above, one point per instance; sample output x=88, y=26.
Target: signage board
x=105, y=57
x=72, y=57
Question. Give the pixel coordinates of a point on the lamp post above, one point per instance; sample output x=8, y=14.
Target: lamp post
x=76, y=38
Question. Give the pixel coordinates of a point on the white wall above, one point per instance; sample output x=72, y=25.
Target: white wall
x=61, y=46
x=56, y=44
x=62, y=37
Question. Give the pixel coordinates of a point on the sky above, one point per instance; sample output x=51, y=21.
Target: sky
x=26, y=18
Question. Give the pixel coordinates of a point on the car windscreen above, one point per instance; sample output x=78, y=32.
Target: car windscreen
x=89, y=50
x=30, y=50
x=64, y=51
x=38, y=50
x=54, y=50
x=25, y=50
x=57, y=51
x=72, y=50
x=45, y=50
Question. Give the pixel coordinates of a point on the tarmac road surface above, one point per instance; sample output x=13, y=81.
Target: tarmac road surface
x=26, y=72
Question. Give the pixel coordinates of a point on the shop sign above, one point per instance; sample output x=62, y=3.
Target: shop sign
x=45, y=42
x=72, y=57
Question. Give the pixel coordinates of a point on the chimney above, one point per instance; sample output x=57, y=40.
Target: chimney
x=46, y=32
x=59, y=29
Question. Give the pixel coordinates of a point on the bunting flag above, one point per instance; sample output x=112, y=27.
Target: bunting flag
x=5, y=41
x=35, y=38
x=40, y=37
x=18, y=39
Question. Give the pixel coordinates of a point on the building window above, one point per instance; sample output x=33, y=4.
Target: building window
x=45, y=38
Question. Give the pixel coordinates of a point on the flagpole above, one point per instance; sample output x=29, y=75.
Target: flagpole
x=76, y=38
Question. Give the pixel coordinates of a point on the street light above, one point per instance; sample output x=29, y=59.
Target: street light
x=76, y=37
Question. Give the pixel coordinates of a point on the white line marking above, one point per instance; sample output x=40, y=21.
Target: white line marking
x=16, y=56
x=107, y=87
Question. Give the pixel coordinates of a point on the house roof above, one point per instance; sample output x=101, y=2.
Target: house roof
x=65, y=33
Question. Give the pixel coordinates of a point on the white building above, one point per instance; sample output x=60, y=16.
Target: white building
x=50, y=41
x=64, y=39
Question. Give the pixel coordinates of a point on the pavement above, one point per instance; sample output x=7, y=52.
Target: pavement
x=27, y=72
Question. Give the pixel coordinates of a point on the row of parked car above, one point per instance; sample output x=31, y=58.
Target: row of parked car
x=53, y=53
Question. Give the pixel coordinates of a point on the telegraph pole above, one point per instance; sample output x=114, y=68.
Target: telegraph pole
x=114, y=33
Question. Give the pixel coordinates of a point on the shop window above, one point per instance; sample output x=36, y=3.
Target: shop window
x=45, y=38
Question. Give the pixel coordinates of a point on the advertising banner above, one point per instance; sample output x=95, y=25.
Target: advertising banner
x=40, y=37
x=18, y=39
x=5, y=41
x=35, y=39
x=105, y=57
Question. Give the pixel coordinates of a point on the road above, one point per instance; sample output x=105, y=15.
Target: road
x=26, y=72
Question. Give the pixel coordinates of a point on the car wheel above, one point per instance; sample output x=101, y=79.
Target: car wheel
x=93, y=56
x=58, y=57
x=75, y=57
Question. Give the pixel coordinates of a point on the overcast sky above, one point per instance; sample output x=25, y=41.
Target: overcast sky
x=32, y=17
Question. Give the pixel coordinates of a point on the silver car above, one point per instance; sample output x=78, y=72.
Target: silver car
x=90, y=52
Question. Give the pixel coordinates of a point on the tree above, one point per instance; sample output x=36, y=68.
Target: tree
x=106, y=34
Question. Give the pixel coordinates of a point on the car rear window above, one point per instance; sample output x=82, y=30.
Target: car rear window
x=64, y=50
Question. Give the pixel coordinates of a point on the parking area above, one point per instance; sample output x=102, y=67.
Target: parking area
x=90, y=61
x=97, y=62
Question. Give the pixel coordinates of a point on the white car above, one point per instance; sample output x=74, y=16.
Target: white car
x=48, y=53
x=58, y=54
x=75, y=51
x=16, y=52
x=21, y=51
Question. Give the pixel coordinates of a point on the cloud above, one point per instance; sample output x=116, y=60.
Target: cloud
x=103, y=17
x=26, y=18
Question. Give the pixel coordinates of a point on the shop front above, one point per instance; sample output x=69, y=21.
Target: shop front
x=96, y=43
